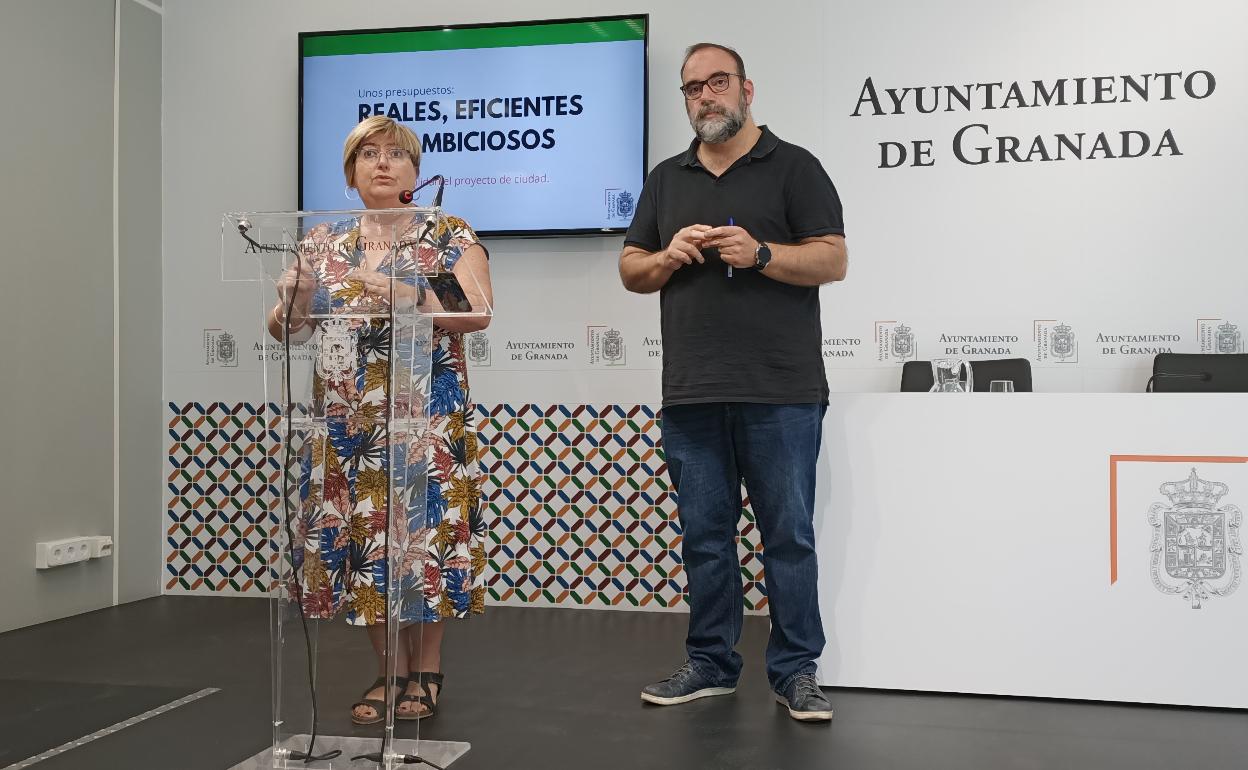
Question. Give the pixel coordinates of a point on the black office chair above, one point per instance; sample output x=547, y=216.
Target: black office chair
x=916, y=376
x=1199, y=373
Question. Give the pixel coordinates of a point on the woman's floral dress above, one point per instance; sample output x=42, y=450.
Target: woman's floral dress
x=340, y=539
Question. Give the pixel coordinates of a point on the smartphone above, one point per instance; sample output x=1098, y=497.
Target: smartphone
x=449, y=292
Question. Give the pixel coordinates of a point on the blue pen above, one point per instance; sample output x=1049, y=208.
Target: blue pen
x=730, y=224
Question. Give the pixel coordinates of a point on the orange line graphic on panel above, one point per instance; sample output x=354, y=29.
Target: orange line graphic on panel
x=1113, y=492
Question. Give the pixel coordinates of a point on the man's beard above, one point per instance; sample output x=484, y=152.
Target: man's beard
x=714, y=124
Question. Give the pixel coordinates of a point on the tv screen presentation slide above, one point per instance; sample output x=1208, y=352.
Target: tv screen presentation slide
x=537, y=128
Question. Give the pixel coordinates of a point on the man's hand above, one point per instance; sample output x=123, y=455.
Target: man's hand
x=685, y=248
x=736, y=246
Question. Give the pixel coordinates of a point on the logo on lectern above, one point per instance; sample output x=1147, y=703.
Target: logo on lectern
x=1195, y=546
x=220, y=348
x=339, y=353
x=479, y=349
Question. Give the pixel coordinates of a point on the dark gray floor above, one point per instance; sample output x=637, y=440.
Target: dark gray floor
x=540, y=688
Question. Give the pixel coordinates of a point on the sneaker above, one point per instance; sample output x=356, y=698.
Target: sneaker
x=805, y=700
x=681, y=687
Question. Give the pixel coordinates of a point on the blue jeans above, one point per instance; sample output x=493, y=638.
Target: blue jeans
x=710, y=449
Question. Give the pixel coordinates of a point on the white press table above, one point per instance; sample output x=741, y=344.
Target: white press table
x=1001, y=543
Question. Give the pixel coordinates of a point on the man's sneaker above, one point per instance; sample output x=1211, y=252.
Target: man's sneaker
x=681, y=687
x=805, y=700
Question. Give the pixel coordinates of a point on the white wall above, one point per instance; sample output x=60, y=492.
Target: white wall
x=231, y=82
x=141, y=411
x=1110, y=247
x=62, y=469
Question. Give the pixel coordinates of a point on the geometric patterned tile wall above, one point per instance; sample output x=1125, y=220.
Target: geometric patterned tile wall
x=217, y=532
x=577, y=503
x=582, y=512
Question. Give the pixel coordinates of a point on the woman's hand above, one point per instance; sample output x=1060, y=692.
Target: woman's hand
x=473, y=271
x=298, y=283
x=294, y=287
x=378, y=284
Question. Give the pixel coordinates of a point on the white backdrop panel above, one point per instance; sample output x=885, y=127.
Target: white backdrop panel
x=1136, y=248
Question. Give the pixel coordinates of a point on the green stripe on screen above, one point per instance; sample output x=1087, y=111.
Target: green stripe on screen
x=481, y=37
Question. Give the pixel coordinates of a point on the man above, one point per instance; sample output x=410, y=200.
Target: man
x=737, y=234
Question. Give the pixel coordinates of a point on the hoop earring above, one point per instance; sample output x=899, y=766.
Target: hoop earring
x=346, y=193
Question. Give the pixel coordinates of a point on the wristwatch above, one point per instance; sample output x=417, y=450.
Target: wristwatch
x=762, y=256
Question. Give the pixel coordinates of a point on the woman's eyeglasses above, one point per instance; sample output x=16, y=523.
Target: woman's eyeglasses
x=373, y=154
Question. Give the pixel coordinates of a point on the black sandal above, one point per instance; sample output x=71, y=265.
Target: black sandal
x=427, y=699
x=378, y=706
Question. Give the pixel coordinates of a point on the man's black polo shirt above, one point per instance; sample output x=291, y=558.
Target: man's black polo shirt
x=747, y=338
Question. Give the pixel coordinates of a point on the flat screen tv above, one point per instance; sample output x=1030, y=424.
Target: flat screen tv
x=538, y=128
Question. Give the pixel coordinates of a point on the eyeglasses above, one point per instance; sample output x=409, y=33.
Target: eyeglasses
x=371, y=155
x=718, y=83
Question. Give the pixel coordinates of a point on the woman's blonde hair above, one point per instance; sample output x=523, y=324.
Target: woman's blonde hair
x=378, y=127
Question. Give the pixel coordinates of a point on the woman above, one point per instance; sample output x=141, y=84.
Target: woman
x=340, y=543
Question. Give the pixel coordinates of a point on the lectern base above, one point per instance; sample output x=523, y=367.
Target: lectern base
x=439, y=753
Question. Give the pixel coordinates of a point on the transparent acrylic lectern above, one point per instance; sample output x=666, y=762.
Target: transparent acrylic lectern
x=347, y=302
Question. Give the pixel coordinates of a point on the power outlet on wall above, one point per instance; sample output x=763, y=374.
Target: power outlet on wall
x=101, y=546
x=54, y=553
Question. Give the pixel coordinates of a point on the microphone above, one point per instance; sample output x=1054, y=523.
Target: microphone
x=244, y=226
x=407, y=196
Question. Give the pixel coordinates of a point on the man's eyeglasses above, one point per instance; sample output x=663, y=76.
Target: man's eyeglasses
x=718, y=83
x=373, y=154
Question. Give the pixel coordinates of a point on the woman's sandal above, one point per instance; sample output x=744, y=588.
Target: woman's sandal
x=428, y=698
x=378, y=706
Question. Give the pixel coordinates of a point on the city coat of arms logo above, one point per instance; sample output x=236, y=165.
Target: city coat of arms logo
x=903, y=342
x=338, y=354
x=605, y=346
x=624, y=205
x=220, y=348
x=479, y=348
x=612, y=346
x=227, y=347
x=1229, y=339
x=1195, y=546
x=1062, y=342
x=620, y=203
